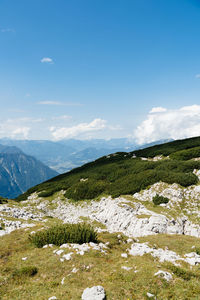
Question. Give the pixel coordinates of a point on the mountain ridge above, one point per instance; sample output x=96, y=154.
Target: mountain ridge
x=19, y=171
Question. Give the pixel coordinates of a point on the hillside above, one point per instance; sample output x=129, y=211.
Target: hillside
x=127, y=173
x=18, y=171
x=125, y=226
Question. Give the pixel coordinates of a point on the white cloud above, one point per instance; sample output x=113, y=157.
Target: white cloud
x=47, y=60
x=12, y=130
x=78, y=130
x=20, y=128
x=21, y=132
x=173, y=124
x=64, y=117
x=157, y=109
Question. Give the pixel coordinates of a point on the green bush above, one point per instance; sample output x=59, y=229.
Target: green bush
x=66, y=233
x=186, y=154
x=182, y=273
x=157, y=200
x=46, y=193
x=197, y=250
x=2, y=226
x=3, y=200
x=28, y=271
x=85, y=190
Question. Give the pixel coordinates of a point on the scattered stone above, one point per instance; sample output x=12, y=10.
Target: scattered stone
x=59, y=252
x=164, y=255
x=24, y=258
x=149, y=295
x=67, y=256
x=94, y=293
x=192, y=258
x=126, y=268
x=48, y=245
x=74, y=270
x=63, y=281
x=129, y=241
x=124, y=255
x=163, y=274
x=52, y=298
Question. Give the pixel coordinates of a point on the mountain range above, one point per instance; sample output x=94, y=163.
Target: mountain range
x=65, y=155
x=19, y=171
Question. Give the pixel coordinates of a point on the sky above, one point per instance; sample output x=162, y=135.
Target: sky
x=99, y=69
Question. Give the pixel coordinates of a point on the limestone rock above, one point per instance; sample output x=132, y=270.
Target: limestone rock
x=94, y=293
x=163, y=274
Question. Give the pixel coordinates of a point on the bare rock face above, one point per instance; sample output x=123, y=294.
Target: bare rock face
x=94, y=293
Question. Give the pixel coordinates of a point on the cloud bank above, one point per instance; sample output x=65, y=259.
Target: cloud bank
x=78, y=130
x=169, y=124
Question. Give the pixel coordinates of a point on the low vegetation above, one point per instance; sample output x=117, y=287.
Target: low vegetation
x=169, y=148
x=3, y=200
x=121, y=173
x=157, y=200
x=25, y=272
x=182, y=273
x=186, y=154
x=66, y=233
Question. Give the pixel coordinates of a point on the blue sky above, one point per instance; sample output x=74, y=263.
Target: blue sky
x=97, y=68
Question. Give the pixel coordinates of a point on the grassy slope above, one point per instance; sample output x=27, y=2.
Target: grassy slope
x=120, y=173
x=104, y=270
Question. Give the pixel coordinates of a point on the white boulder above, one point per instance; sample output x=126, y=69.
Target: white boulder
x=94, y=293
x=163, y=274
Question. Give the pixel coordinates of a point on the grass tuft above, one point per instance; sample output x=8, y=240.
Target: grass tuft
x=28, y=271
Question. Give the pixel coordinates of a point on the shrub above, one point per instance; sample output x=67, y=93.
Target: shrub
x=182, y=273
x=186, y=154
x=2, y=226
x=197, y=250
x=157, y=200
x=25, y=272
x=46, y=193
x=66, y=233
x=3, y=200
x=85, y=190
